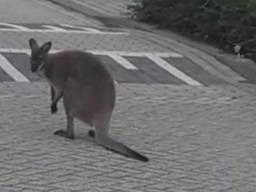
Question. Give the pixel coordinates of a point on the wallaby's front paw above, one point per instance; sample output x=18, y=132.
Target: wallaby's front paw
x=54, y=108
x=63, y=133
x=91, y=133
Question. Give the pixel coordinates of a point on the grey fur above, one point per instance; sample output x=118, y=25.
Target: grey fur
x=87, y=89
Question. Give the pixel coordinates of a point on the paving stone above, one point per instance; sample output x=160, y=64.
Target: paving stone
x=199, y=139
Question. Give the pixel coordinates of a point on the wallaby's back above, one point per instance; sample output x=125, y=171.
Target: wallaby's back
x=82, y=66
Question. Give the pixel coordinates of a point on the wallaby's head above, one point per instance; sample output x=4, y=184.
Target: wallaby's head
x=38, y=54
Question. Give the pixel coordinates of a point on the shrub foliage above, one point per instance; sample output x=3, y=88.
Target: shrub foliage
x=226, y=23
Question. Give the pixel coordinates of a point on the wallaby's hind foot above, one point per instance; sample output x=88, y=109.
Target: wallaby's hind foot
x=132, y=154
x=91, y=133
x=64, y=133
x=120, y=148
x=101, y=124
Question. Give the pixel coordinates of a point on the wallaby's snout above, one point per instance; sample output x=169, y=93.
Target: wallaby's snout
x=33, y=67
x=38, y=54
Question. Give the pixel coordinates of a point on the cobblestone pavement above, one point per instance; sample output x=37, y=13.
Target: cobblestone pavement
x=197, y=139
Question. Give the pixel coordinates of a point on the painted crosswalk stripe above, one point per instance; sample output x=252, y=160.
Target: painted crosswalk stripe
x=99, y=52
x=9, y=27
x=14, y=27
x=136, y=54
x=123, y=62
x=54, y=28
x=174, y=71
x=64, y=31
x=81, y=28
x=12, y=71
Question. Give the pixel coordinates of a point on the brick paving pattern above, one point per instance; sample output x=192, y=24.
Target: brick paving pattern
x=197, y=139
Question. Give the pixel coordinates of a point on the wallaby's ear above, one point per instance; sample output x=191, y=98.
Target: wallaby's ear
x=33, y=44
x=46, y=47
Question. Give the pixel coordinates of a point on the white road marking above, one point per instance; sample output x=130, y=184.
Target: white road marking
x=136, y=54
x=12, y=71
x=14, y=27
x=54, y=28
x=91, y=31
x=11, y=50
x=118, y=57
x=97, y=52
x=83, y=28
x=173, y=70
x=123, y=62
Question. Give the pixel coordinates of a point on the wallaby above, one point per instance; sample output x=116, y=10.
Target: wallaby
x=88, y=92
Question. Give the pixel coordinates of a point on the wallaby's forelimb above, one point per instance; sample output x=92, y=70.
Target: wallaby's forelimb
x=91, y=133
x=55, y=97
x=52, y=93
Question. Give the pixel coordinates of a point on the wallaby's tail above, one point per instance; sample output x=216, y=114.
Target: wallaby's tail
x=120, y=148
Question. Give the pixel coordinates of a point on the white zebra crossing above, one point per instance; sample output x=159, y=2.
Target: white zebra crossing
x=62, y=28
x=118, y=57
x=12, y=71
x=13, y=26
x=123, y=62
x=54, y=28
x=173, y=70
x=93, y=30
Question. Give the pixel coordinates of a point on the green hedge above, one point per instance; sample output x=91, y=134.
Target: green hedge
x=224, y=22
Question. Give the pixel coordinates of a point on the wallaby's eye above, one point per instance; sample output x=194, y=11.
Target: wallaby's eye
x=40, y=57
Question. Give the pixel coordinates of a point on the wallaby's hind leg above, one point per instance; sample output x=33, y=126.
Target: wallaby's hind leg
x=69, y=132
x=101, y=124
